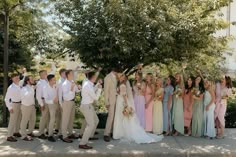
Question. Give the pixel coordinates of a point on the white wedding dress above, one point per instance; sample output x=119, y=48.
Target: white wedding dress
x=129, y=129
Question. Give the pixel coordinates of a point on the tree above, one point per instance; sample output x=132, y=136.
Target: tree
x=123, y=33
x=29, y=34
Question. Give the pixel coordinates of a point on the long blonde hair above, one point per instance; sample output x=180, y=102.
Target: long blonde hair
x=161, y=82
x=181, y=83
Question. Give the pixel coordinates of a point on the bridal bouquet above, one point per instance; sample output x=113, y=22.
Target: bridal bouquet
x=196, y=92
x=178, y=93
x=128, y=111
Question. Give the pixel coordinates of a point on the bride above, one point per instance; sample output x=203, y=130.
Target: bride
x=128, y=127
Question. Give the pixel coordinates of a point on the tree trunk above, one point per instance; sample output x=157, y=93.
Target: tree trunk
x=5, y=66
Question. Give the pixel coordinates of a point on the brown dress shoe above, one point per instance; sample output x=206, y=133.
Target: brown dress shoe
x=67, y=140
x=43, y=136
x=107, y=139
x=31, y=135
x=93, y=138
x=73, y=136
x=11, y=139
x=85, y=147
x=17, y=134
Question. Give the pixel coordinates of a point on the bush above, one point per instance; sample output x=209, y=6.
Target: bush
x=230, y=118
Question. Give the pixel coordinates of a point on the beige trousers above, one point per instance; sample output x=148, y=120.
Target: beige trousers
x=68, y=115
x=83, y=126
x=52, y=114
x=17, y=128
x=58, y=118
x=110, y=120
x=43, y=124
x=91, y=121
x=15, y=117
x=28, y=116
x=32, y=121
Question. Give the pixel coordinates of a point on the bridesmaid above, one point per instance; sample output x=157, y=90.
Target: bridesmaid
x=178, y=113
x=197, y=119
x=167, y=105
x=139, y=99
x=209, y=107
x=157, y=108
x=149, y=95
x=223, y=91
x=188, y=103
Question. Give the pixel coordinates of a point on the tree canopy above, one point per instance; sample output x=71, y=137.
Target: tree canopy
x=30, y=33
x=123, y=33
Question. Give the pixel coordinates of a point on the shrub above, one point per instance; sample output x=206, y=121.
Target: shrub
x=230, y=118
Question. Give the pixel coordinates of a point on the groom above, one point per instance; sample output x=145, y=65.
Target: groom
x=110, y=93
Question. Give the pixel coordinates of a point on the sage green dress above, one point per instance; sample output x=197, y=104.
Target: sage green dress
x=197, y=120
x=178, y=113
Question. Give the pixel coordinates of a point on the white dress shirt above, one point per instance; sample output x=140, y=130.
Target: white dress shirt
x=59, y=89
x=89, y=95
x=12, y=95
x=27, y=95
x=50, y=94
x=39, y=91
x=67, y=94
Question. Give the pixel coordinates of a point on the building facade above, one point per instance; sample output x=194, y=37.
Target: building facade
x=230, y=16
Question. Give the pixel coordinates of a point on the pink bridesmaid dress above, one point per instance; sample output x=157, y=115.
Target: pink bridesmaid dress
x=149, y=109
x=188, y=113
x=221, y=104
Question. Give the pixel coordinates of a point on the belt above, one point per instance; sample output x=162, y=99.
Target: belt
x=28, y=105
x=71, y=100
x=17, y=102
x=87, y=104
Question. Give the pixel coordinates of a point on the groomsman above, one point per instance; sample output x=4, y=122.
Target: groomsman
x=61, y=80
x=84, y=81
x=110, y=93
x=69, y=88
x=28, y=108
x=89, y=96
x=51, y=99
x=13, y=103
x=43, y=106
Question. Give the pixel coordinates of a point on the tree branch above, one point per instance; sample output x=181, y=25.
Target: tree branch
x=61, y=54
x=16, y=5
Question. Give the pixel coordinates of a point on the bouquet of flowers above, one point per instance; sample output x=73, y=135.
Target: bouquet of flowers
x=196, y=92
x=178, y=93
x=128, y=111
x=139, y=86
x=224, y=94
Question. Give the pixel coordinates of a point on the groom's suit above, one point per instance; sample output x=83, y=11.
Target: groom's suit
x=110, y=92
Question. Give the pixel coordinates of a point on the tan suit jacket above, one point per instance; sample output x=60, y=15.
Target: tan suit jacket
x=110, y=93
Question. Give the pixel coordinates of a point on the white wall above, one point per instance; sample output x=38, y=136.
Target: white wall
x=231, y=60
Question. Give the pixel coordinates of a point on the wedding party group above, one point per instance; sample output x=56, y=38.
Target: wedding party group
x=189, y=106
x=141, y=111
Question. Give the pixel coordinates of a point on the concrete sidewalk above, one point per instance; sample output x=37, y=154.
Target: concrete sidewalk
x=169, y=147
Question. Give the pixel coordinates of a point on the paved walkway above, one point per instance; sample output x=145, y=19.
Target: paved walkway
x=169, y=147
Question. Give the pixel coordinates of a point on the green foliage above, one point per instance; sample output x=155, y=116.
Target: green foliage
x=230, y=117
x=121, y=34
x=30, y=34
